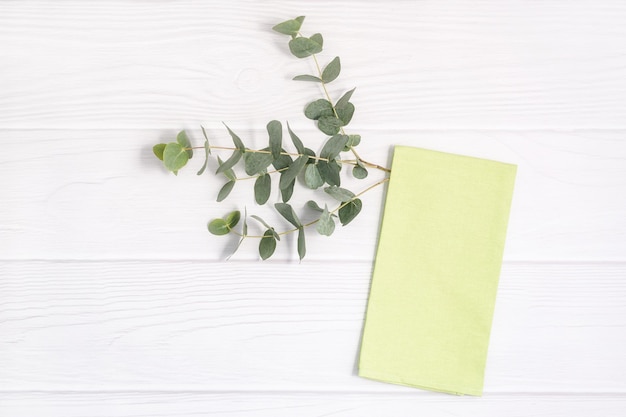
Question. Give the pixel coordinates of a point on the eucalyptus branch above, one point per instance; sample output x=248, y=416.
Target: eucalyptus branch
x=315, y=170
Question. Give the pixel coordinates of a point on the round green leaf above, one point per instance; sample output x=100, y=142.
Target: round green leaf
x=339, y=194
x=303, y=47
x=329, y=125
x=262, y=189
x=158, y=150
x=183, y=140
x=326, y=224
x=289, y=27
x=345, y=113
x=318, y=108
x=267, y=245
x=218, y=227
x=348, y=212
x=359, y=172
x=233, y=218
x=174, y=156
x=312, y=177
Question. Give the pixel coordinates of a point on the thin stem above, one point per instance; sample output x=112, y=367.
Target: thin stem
x=267, y=173
x=226, y=148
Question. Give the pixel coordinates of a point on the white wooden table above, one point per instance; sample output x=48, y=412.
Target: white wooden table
x=116, y=301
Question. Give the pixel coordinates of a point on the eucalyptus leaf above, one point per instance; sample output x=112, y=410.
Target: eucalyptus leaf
x=311, y=154
x=174, y=156
x=275, y=131
x=307, y=77
x=303, y=47
x=207, y=139
x=317, y=38
x=329, y=172
x=262, y=189
x=325, y=224
x=301, y=243
x=218, y=227
x=257, y=162
x=314, y=206
x=283, y=161
x=287, y=192
x=207, y=152
x=233, y=218
x=244, y=234
x=333, y=146
x=344, y=100
x=353, y=140
x=329, y=125
x=332, y=70
x=158, y=150
x=312, y=177
x=339, y=194
x=229, y=173
x=318, y=108
x=267, y=245
x=225, y=190
x=345, y=113
x=230, y=162
x=348, y=212
x=183, y=140
x=359, y=172
x=292, y=172
x=287, y=212
x=260, y=220
x=236, y=140
x=289, y=27
x=296, y=141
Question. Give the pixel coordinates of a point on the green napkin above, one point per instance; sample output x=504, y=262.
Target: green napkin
x=436, y=271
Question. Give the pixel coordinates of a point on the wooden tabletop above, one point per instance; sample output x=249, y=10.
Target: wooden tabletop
x=116, y=301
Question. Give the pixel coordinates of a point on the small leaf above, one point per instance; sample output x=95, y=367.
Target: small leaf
x=257, y=162
x=301, y=243
x=289, y=27
x=302, y=47
x=275, y=131
x=158, y=150
x=344, y=100
x=332, y=70
x=353, y=140
x=312, y=177
x=183, y=140
x=329, y=172
x=287, y=192
x=339, y=194
x=333, y=146
x=283, y=161
x=207, y=140
x=244, y=234
x=174, y=156
x=296, y=141
x=307, y=77
x=326, y=224
x=218, y=227
x=207, y=152
x=314, y=206
x=348, y=212
x=233, y=218
x=329, y=125
x=229, y=173
x=311, y=156
x=287, y=212
x=225, y=190
x=359, y=172
x=345, y=113
x=267, y=245
x=262, y=189
x=230, y=162
x=236, y=140
x=292, y=172
x=318, y=108
x=317, y=38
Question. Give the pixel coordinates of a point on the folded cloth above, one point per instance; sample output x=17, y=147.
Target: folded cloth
x=436, y=271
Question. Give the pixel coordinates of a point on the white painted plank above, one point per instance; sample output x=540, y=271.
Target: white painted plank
x=133, y=404
x=479, y=64
x=74, y=326
x=85, y=194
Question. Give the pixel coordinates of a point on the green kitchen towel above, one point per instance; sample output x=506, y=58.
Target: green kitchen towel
x=436, y=272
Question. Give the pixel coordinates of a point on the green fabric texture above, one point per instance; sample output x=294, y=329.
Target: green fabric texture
x=436, y=272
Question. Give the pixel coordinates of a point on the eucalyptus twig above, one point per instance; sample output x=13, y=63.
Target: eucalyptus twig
x=316, y=171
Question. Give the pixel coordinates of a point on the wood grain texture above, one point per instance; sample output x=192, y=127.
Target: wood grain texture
x=103, y=195
x=174, y=404
x=111, y=299
x=484, y=64
x=227, y=326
